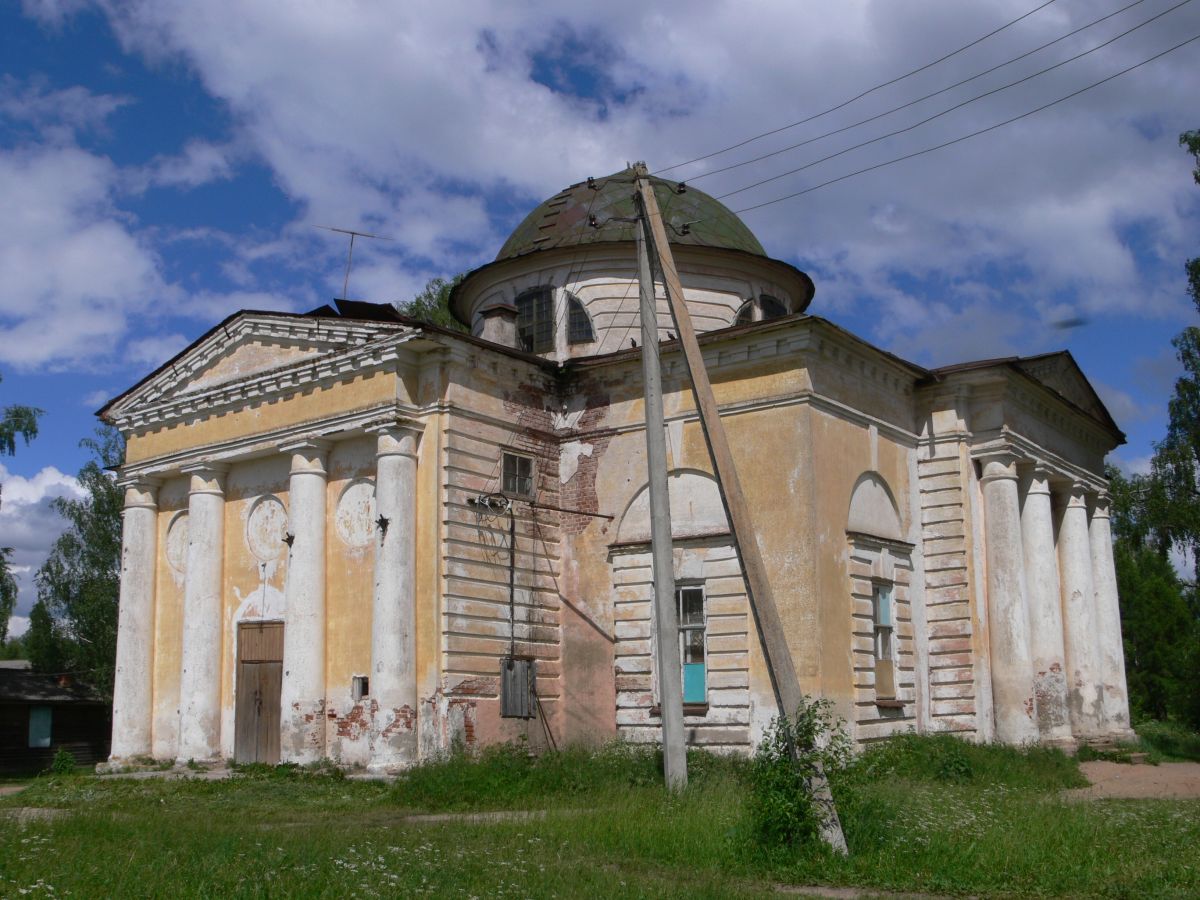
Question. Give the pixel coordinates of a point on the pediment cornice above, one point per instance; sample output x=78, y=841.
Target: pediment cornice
x=338, y=349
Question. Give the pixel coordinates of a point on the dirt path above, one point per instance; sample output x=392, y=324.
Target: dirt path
x=1174, y=780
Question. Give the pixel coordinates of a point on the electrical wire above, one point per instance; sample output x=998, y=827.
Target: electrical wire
x=895, y=109
x=953, y=108
x=865, y=93
x=965, y=137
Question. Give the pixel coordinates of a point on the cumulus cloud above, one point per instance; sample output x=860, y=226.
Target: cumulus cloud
x=440, y=126
x=55, y=113
x=392, y=116
x=29, y=525
x=74, y=270
x=200, y=162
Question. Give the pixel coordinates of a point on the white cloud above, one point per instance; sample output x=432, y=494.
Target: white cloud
x=95, y=399
x=1137, y=465
x=418, y=122
x=199, y=163
x=29, y=525
x=74, y=271
x=388, y=118
x=53, y=12
x=61, y=113
x=17, y=625
x=1121, y=404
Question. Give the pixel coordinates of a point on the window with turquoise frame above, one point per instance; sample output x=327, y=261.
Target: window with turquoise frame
x=692, y=643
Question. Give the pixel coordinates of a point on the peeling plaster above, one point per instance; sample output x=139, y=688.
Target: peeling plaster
x=569, y=461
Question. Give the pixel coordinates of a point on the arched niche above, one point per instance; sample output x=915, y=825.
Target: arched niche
x=696, y=509
x=873, y=509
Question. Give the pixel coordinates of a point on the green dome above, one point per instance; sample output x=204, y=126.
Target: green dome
x=565, y=219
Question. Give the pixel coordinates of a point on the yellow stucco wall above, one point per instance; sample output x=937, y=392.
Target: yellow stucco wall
x=168, y=613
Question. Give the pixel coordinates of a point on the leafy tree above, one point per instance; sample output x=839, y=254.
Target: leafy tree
x=433, y=304
x=13, y=648
x=1175, y=499
x=44, y=644
x=1151, y=514
x=78, y=584
x=1191, y=140
x=15, y=421
x=1159, y=630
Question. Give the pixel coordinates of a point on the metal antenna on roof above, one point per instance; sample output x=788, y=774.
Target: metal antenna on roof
x=350, y=253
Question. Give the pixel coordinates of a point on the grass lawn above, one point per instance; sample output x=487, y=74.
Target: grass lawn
x=921, y=814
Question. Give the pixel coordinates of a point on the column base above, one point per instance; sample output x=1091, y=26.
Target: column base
x=115, y=764
x=1122, y=736
x=190, y=762
x=1067, y=745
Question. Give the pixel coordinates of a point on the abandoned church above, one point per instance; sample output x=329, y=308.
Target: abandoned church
x=353, y=535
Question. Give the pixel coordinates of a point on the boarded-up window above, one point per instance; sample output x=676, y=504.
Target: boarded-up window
x=517, y=699
x=39, y=726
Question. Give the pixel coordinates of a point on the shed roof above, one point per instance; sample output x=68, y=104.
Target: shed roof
x=24, y=686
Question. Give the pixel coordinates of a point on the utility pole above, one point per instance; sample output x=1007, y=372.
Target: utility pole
x=666, y=616
x=762, y=601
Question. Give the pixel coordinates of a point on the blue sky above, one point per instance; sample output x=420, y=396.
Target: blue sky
x=164, y=164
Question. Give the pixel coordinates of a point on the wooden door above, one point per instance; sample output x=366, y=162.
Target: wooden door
x=259, y=680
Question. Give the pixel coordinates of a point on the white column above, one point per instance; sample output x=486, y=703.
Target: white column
x=133, y=687
x=393, y=686
x=302, y=696
x=1045, y=609
x=200, y=678
x=1108, y=623
x=1084, y=694
x=1008, y=617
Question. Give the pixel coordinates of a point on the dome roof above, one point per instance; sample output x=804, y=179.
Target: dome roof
x=565, y=219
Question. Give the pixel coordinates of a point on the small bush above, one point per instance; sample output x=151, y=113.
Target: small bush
x=794, y=751
x=63, y=763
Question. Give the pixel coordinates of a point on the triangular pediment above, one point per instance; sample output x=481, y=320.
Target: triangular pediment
x=1060, y=373
x=245, y=347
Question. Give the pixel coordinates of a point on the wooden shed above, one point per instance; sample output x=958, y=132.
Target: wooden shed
x=40, y=714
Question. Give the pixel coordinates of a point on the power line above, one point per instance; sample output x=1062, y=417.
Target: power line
x=894, y=109
x=964, y=137
x=859, y=96
x=951, y=109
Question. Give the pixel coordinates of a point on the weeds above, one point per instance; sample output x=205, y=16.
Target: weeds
x=795, y=750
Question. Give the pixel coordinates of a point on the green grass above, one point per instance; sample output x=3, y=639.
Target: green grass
x=921, y=814
x=1171, y=740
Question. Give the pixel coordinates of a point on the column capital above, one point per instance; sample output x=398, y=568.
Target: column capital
x=998, y=465
x=1071, y=493
x=1101, y=505
x=1036, y=477
x=397, y=438
x=308, y=454
x=140, y=492
x=206, y=478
